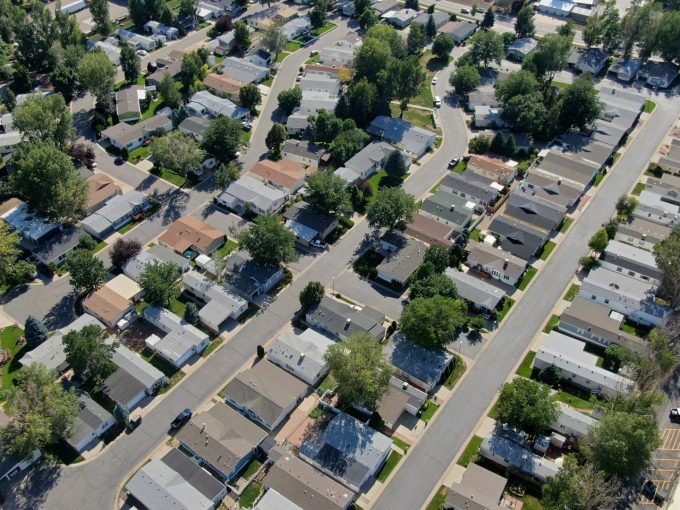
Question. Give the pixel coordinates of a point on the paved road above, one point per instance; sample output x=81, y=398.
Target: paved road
x=427, y=462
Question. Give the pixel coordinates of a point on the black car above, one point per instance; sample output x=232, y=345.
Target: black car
x=118, y=161
x=649, y=489
x=134, y=422
x=453, y=162
x=181, y=419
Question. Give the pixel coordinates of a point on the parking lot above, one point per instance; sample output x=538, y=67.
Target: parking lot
x=665, y=465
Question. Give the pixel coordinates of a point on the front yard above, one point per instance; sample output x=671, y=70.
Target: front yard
x=323, y=29
x=389, y=466
x=470, y=451
x=416, y=116
x=8, y=341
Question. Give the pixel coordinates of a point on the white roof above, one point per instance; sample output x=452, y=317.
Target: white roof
x=181, y=336
x=221, y=303
x=301, y=355
x=137, y=367
x=572, y=422
x=272, y=500
x=250, y=190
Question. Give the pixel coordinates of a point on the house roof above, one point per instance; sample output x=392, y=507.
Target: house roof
x=187, y=231
x=423, y=364
x=215, y=105
x=429, y=230
x=137, y=368
x=479, y=489
x=341, y=319
x=220, y=303
x=492, y=165
x=222, y=437
x=124, y=286
x=285, y=172
x=195, y=125
x=405, y=260
x=535, y=210
x=412, y=138
x=518, y=238
x=643, y=229
x=636, y=257
x=572, y=422
x=173, y=68
x=591, y=58
x=136, y=265
x=246, y=276
x=475, y=290
x=554, y=190
x=249, y=190
x=106, y=304
x=127, y=100
x=438, y=17
x=522, y=459
x=100, y=187
x=124, y=133
x=303, y=149
x=524, y=45
x=181, y=337
x=32, y=227
x=116, y=209
x=57, y=245
x=242, y=70
x=399, y=396
x=666, y=71
x=90, y=417
x=488, y=256
x=198, y=477
x=450, y=208
x=223, y=84
x=374, y=153
x=472, y=184
x=305, y=214
x=304, y=353
x=458, y=29
x=483, y=96
x=272, y=500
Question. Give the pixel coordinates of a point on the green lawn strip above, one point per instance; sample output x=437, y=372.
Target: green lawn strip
x=598, y=179
x=401, y=444
x=389, y=466
x=572, y=292
x=151, y=110
x=129, y=226
x=171, y=177
x=547, y=250
x=281, y=56
x=574, y=400
x=633, y=328
x=250, y=495
x=526, y=367
x=178, y=306
x=251, y=469
x=416, y=116
x=458, y=370
x=434, y=188
x=325, y=28
x=291, y=46
x=214, y=345
x=460, y=166
x=315, y=413
x=531, y=503
x=268, y=82
x=649, y=106
x=470, y=451
x=506, y=304
x=99, y=246
x=8, y=341
x=138, y=154
x=326, y=385
x=428, y=411
x=493, y=412
x=475, y=235
x=552, y=323
x=225, y=250
x=528, y=276
x=566, y=223
x=438, y=500
x=639, y=188
x=313, y=60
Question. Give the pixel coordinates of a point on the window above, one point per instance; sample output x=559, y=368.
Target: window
x=644, y=277
x=619, y=269
x=606, y=301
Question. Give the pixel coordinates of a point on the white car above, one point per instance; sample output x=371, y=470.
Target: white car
x=142, y=53
x=435, y=80
x=465, y=11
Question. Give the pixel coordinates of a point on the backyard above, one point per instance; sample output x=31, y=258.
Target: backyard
x=416, y=116
x=8, y=341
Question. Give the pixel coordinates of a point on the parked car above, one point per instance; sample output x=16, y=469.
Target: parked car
x=134, y=422
x=92, y=165
x=435, y=80
x=318, y=244
x=142, y=53
x=246, y=125
x=313, y=53
x=437, y=101
x=649, y=489
x=465, y=11
x=674, y=415
x=181, y=419
x=453, y=162
x=118, y=161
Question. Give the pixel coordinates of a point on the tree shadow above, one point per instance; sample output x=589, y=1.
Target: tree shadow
x=13, y=293
x=62, y=313
x=435, y=64
x=176, y=204
x=30, y=490
x=148, y=181
x=369, y=242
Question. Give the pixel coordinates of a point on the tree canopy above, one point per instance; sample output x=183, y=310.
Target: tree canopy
x=524, y=25
x=123, y=250
x=667, y=254
x=434, y=284
x=580, y=104
x=97, y=74
x=290, y=99
x=223, y=139
x=177, y=152
x=328, y=192
x=88, y=354
x=442, y=46
x=527, y=405
x=465, y=79
x=273, y=39
x=275, y=139
x=390, y=208
x=160, y=282
x=268, y=241
x=312, y=294
x=44, y=118
x=487, y=47
x=347, y=144
x=86, y=272
x=35, y=332
x=433, y=322
x=130, y=64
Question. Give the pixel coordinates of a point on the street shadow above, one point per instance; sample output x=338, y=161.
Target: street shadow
x=62, y=313
x=148, y=181
x=30, y=490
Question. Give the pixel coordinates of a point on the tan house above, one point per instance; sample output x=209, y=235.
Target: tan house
x=188, y=233
x=107, y=305
x=125, y=286
x=430, y=230
x=223, y=86
x=494, y=168
x=285, y=174
x=100, y=188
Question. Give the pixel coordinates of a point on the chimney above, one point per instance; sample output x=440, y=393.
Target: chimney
x=505, y=264
x=347, y=323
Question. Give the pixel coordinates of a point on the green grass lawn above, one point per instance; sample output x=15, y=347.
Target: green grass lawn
x=268, y=82
x=547, y=250
x=424, y=97
x=389, y=466
x=156, y=104
x=458, y=370
x=251, y=469
x=560, y=85
x=598, y=179
x=531, y=503
x=138, y=154
x=250, y=495
x=572, y=292
x=401, y=444
x=639, y=188
x=528, y=276
x=225, y=250
x=552, y=323
x=313, y=60
x=526, y=367
x=428, y=410
x=281, y=56
x=99, y=246
x=315, y=413
x=460, y=167
x=633, y=328
x=382, y=180
x=212, y=347
x=568, y=220
x=178, y=306
x=470, y=451
x=129, y=226
x=325, y=28
x=506, y=304
x=649, y=106
x=8, y=340
x=574, y=400
x=438, y=500
x=291, y=46
x=171, y=177
x=415, y=116
x=475, y=235
x=326, y=385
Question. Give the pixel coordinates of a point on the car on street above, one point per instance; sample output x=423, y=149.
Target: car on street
x=465, y=11
x=481, y=10
x=674, y=415
x=298, y=77
x=313, y=53
x=453, y=162
x=435, y=80
x=142, y=53
x=181, y=419
x=319, y=245
x=134, y=422
x=118, y=161
x=437, y=101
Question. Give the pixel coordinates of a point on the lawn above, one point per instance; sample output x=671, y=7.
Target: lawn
x=212, y=347
x=460, y=167
x=531, y=503
x=428, y=411
x=129, y=226
x=470, y=451
x=313, y=60
x=633, y=328
x=268, y=82
x=416, y=116
x=458, y=370
x=401, y=444
x=572, y=292
x=552, y=323
x=315, y=413
x=639, y=188
x=325, y=28
x=290, y=46
x=251, y=469
x=474, y=235
x=99, y=246
x=8, y=340
x=250, y=495
x=382, y=180
x=281, y=56
x=178, y=306
x=171, y=177
x=547, y=250
x=437, y=502
x=560, y=85
x=225, y=250
x=598, y=179
x=389, y=466
x=528, y=276
x=574, y=400
x=424, y=97
x=526, y=367
x=568, y=220
x=649, y=106
x=151, y=110
x=139, y=154
x=506, y=304
x=326, y=385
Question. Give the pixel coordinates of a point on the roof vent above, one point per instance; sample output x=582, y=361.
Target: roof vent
x=347, y=323
x=453, y=207
x=302, y=355
x=404, y=386
x=505, y=263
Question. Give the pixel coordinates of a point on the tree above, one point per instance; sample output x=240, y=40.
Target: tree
x=371, y=57
x=34, y=35
x=241, y=35
x=412, y=4
x=275, y=138
x=415, y=42
x=89, y=354
x=396, y=166
x=44, y=118
x=488, y=20
x=224, y=24
x=567, y=29
x=42, y=412
x=317, y=16
x=526, y=111
x=274, y=39
x=169, y=92
x=390, y=208
x=9, y=250
x=433, y=322
x=434, y=284
x=250, y=97
x=121, y=414
x=97, y=74
x=438, y=256
x=442, y=46
x=123, y=250
x=268, y=241
x=328, y=192
x=325, y=126
x=580, y=487
x=312, y=294
x=130, y=64
x=223, y=139
x=176, y=152
x=188, y=9
x=363, y=98
x=487, y=47
x=342, y=108
x=360, y=369
x=160, y=282
x=625, y=206
x=87, y=273
x=477, y=323
x=389, y=35
x=550, y=375
x=191, y=70
x=403, y=79
x=226, y=174
x=289, y=99
x=652, y=368
x=430, y=27
x=100, y=15
x=368, y=19
x=621, y=444
x=518, y=83
x=610, y=28
x=580, y=105
x=35, y=332
x=65, y=81
x=46, y=178
x=524, y=25
x=83, y=153
x=465, y=79
x=360, y=6
x=191, y=313
x=667, y=30
x=551, y=55
x=592, y=33
x=347, y=144
x=667, y=254
x=527, y=405
x=479, y=144
x=599, y=241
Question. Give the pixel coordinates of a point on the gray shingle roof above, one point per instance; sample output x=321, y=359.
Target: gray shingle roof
x=490, y=257
x=198, y=477
x=450, y=208
x=412, y=138
x=420, y=363
x=475, y=290
x=343, y=320
x=535, y=210
x=472, y=184
x=245, y=276
x=518, y=238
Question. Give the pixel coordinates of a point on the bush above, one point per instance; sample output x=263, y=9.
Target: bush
x=656, y=170
x=480, y=144
x=260, y=351
x=87, y=242
x=588, y=262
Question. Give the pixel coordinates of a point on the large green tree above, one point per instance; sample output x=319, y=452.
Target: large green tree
x=223, y=138
x=100, y=15
x=347, y=144
x=97, y=74
x=527, y=405
x=465, y=79
x=289, y=99
x=371, y=58
x=442, y=46
x=9, y=250
x=34, y=35
x=250, y=97
x=580, y=104
x=227, y=173
x=89, y=354
x=551, y=55
x=242, y=35
x=312, y=294
x=487, y=47
x=390, y=208
x=169, y=92
x=328, y=192
x=275, y=139
x=130, y=64
x=177, y=152
x=160, y=282
x=415, y=42
x=363, y=97
x=389, y=35
x=87, y=272
x=434, y=284
x=45, y=118
x=268, y=241
x=667, y=254
x=35, y=332
x=273, y=39
x=524, y=25
x=433, y=322
x=403, y=79
x=518, y=83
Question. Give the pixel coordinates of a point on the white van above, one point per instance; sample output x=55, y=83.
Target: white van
x=437, y=101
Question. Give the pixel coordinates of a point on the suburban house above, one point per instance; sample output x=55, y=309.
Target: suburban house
x=509, y=454
x=584, y=149
x=591, y=60
x=130, y=136
x=249, y=279
x=297, y=27
x=134, y=379
x=348, y=451
x=572, y=423
x=471, y=186
x=483, y=96
x=164, y=68
x=631, y=261
x=194, y=126
x=175, y=480
x=656, y=208
x=579, y=367
x=157, y=28
x=517, y=238
x=488, y=117
x=337, y=56
x=552, y=189
x=189, y=234
x=449, y=209
x=100, y=189
x=92, y=421
x=10, y=138
x=401, y=397
x=535, y=210
x=421, y=367
x=519, y=49
x=642, y=233
x=382, y=6
x=136, y=41
x=438, y=17
x=309, y=224
x=668, y=187
x=108, y=306
x=669, y=162
x=117, y=212
x=367, y=161
x=125, y=287
x=265, y=393
x=285, y=174
x=301, y=354
x=243, y=70
x=459, y=31
x=220, y=304
x=430, y=230
x=112, y=51
x=128, y=101
x=631, y=297
x=303, y=152
x=484, y=296
x=575, y=171
x=400, y=18
x=495, y=262
x=305, y=486
x=223, y=44
x=479, y=489
x=404, y=135
x=658, y=74
x=250, y=194
x=205, y=104
x=134, y=267
x=222, y=440
x=12, y=464
x=342, y=320
x=224, y=86
x=403, y=255
x=492, y=167
x=181, y=341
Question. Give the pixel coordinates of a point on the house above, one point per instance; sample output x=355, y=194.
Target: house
x=438, y=17
x=342, y=320
x=626, y=68
x=668, y=187
x=579, y=367
x=555, y=190
x=112, y=51
x=90, y=423
x=631, y=261
x=265, y=393
x=669, y=162
x=12, y=464
x=430, y=230
x=605, y=132
x=488, y=117
x=496, y=168
x=459, y=31
x=658, y=74
x=596, y=324
x=495, y=262
x=313, y=102
x=205, y=104
x=194, y=126
x=320, y=83
x=449, y=209
x=250, y=194
x=297, y=27
x=243, y=70
x=400, y=398
x=348, y=451
x=175, y=481
x=471, y=186
x=519, y=49
x=586, y=149
x=117, y=212
x=130, y=136
x=576, y=172
x=224, y=86
x=10, y=138
x=285, y=174
x=181, y=342
x=572, y=423
x=421, y=367
x=220, y=304
x=631, y=297
x=190, y=234
x=383, y=6
x=223, y=44
x=107, y=306
x=134, y=379
x=297, y=122
x=324, y=70
x=100, y=189
x=303, y=152
x=157, y=28
x=622, y=98
x=125, y=287
x=305, y=486
x=509, y=454
x=483, y=96
x=400, y=18
x=557, y=8
x=479, y=489
x=336, y=56
x=535, y=211
x=591, y=60
x=309, y=224
x=403, y=256
x=222, y=440
x=655, y=208
x=301, y=354
x=165, y=68
x=404, y=135
x=134, y=267
x=642, y=233
x=519, y=239
x=484, y=296
x=128, y=100
x=367, y=161
x=136, y=41
x=249, y=279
